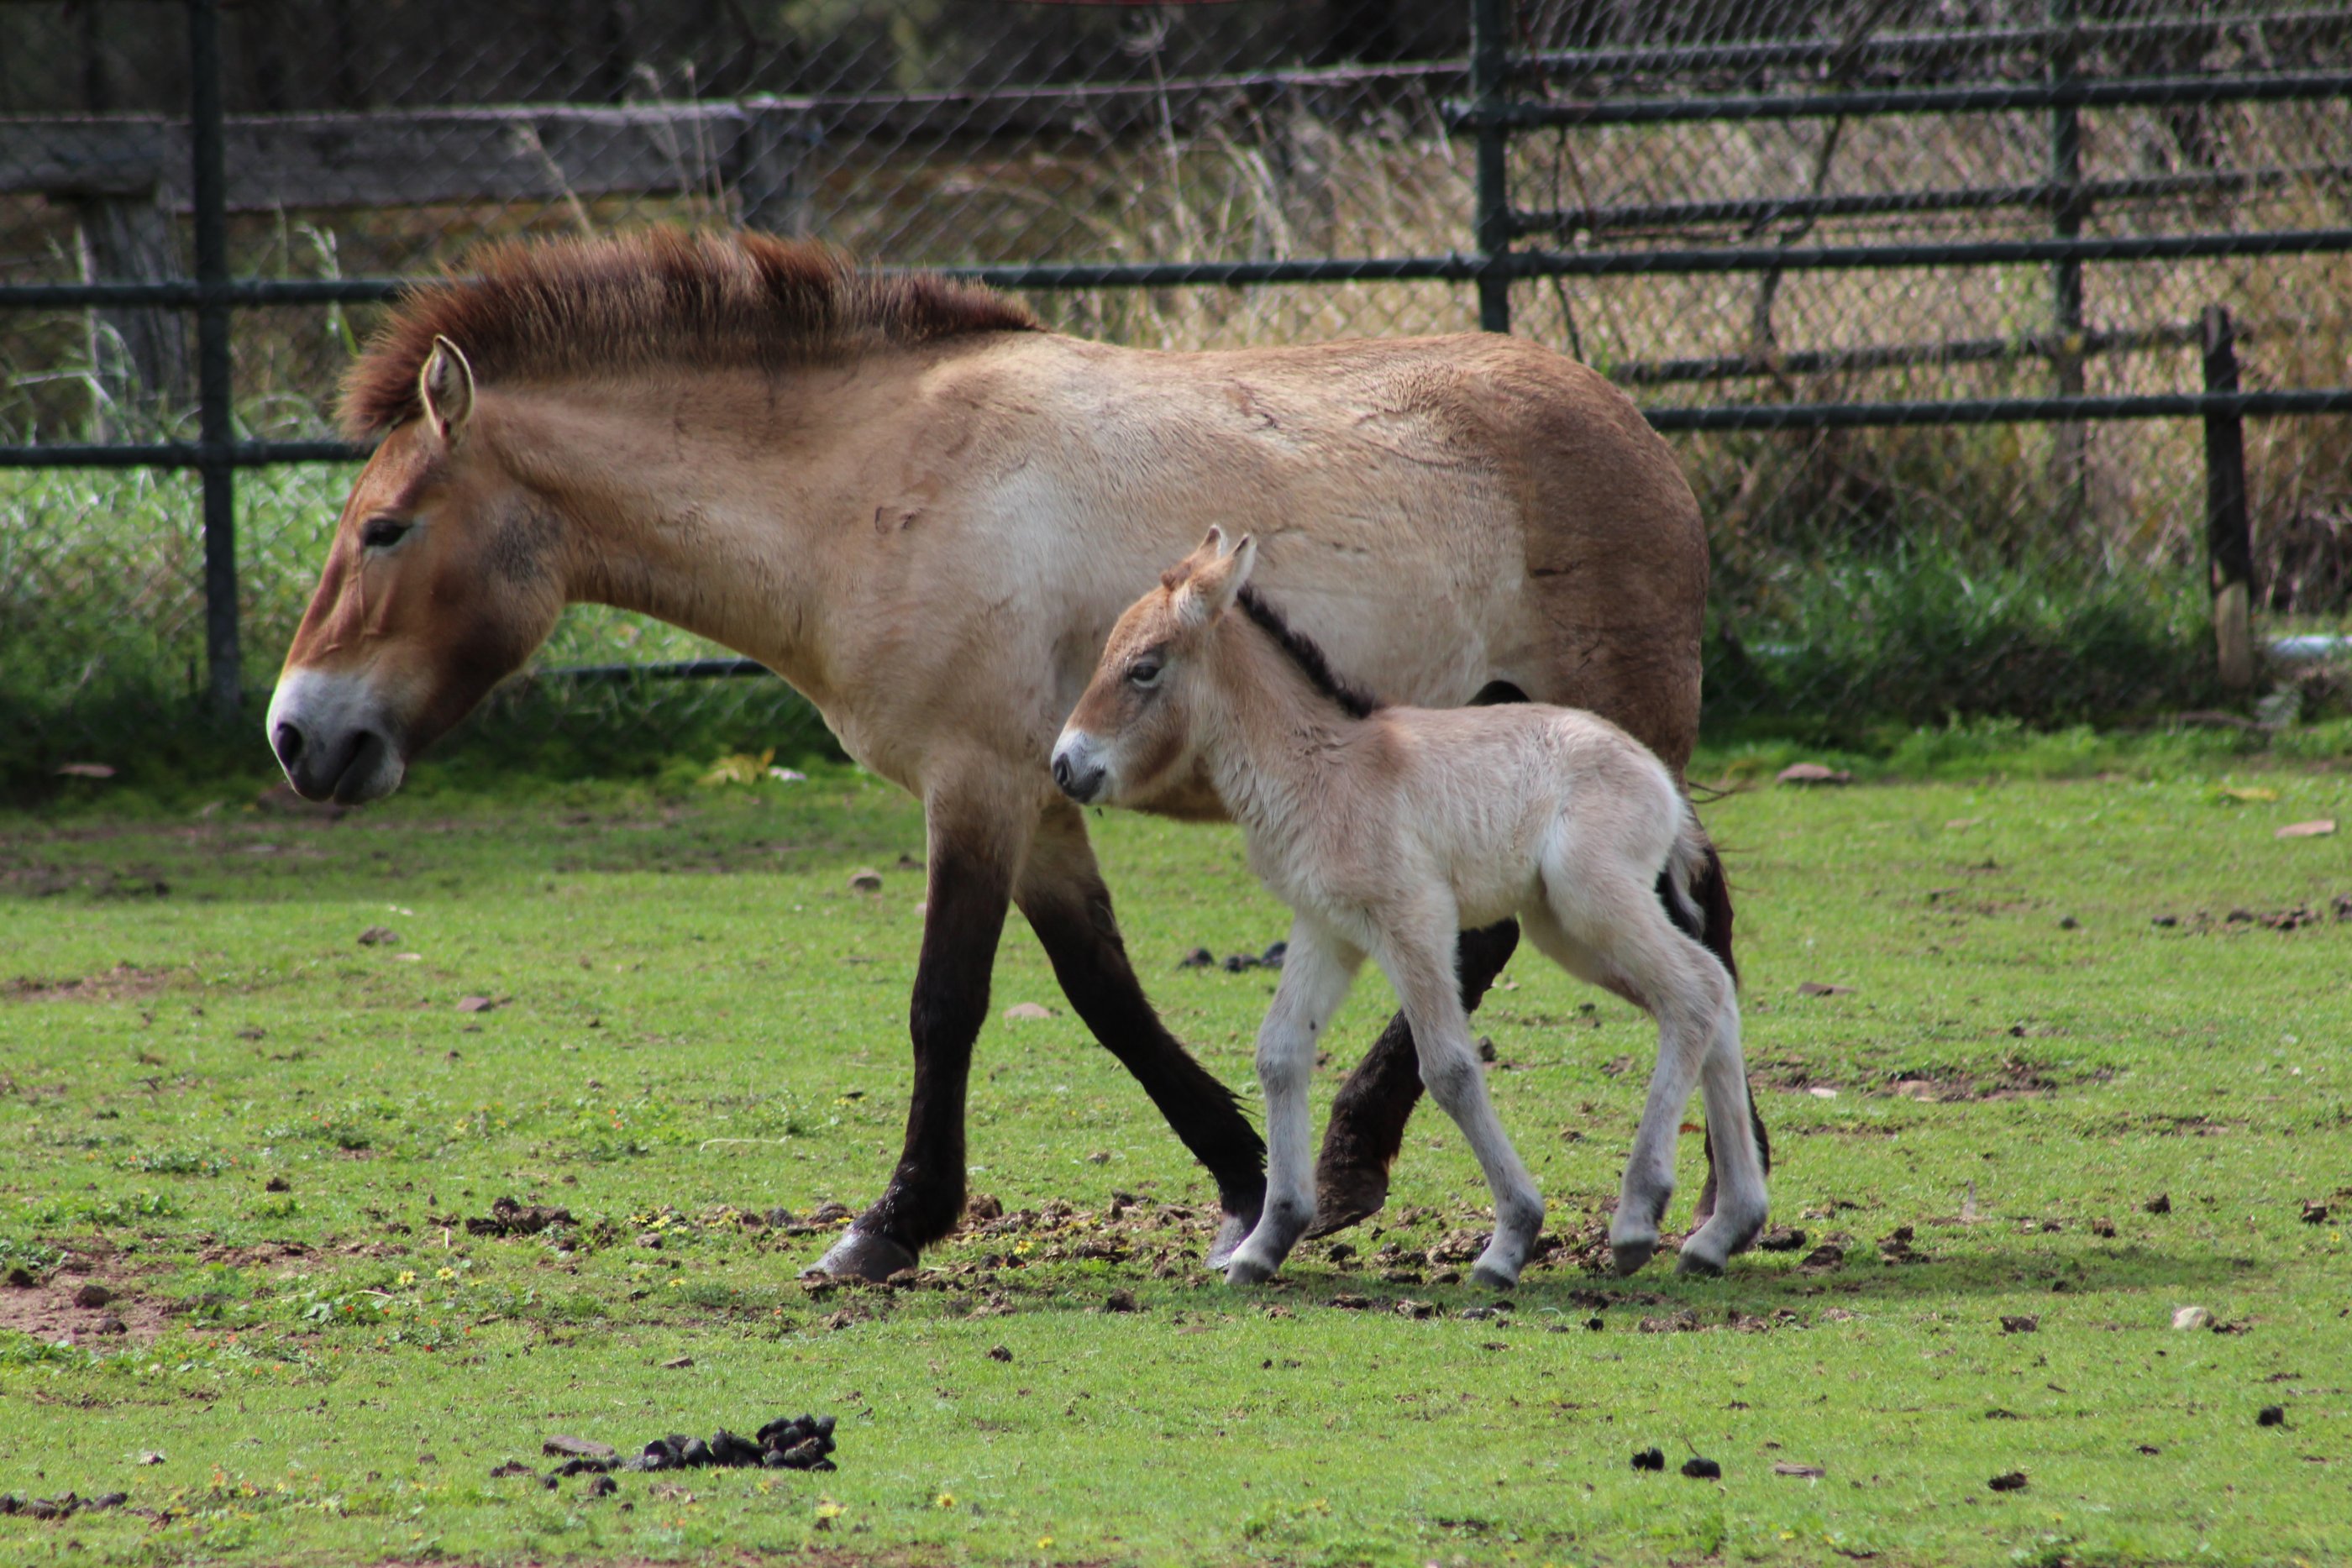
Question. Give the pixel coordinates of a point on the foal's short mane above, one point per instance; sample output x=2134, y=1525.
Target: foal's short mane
x=1301, y=651
x=594, y=307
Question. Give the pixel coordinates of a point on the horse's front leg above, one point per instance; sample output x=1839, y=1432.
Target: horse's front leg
x=1316, y=974
x=1369, y=1115
x=974, y=848
x=1062, y=893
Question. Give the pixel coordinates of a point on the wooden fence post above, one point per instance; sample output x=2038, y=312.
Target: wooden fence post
x=2229, y=542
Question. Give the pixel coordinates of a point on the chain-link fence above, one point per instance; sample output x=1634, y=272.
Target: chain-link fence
x=2003, y=340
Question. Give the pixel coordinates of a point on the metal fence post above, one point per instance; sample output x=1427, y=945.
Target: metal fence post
x=223, y=678
x=2069, y=465
x=1489, y=76
x=2229, y=542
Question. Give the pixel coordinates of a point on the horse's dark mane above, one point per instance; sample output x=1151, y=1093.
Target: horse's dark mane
x=594, y=307
x=1301, y=651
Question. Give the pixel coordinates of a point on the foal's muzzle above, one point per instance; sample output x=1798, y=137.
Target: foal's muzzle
x=1078, y=769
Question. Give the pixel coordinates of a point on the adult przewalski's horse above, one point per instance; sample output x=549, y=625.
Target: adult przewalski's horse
x=926, y=513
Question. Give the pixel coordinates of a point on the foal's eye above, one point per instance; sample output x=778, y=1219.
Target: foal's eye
x=1144, y=672
x=383, y=533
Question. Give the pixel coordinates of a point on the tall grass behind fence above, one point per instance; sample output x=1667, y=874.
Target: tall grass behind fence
x=1864, y=575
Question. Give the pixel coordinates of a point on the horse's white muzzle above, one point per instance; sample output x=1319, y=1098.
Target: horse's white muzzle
x=1080, y=768
x=334, y=738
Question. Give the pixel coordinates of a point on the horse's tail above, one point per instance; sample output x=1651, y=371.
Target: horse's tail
x=1695, y=893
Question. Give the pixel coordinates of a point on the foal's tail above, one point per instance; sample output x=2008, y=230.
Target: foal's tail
x=1695, y=893
x=1697, y=897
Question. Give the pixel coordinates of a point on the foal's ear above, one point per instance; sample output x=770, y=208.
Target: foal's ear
x=1216, y=585
x=446, y=386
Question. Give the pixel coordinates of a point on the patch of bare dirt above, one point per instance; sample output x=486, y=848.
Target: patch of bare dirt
x=122, y=983
x=83, y=1303
x=2011, y=1078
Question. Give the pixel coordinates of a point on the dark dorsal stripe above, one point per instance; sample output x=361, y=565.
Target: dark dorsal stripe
x=1301, y=651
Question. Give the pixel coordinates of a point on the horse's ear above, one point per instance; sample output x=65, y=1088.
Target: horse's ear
x=446, y=386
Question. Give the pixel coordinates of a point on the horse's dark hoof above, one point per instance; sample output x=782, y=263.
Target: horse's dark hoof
x=861, y=1255
x=1346, y=1196
x=1627, y=1257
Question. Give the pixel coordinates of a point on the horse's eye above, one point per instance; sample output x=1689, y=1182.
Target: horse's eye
x=383, y=533
x=1145, y=673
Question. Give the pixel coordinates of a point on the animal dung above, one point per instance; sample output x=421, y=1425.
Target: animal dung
x=1023, y=1010
x=865, y=879
x=2008, y=1480
x=1781, y=1239
x=2019, y=1322
x=2161, y=1204
x=2315, y=1213
x=1700, y=1469
x=2271, y=1415
x=1650, y=1460
x=1198, y=959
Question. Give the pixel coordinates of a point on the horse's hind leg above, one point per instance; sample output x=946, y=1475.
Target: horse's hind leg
x=1370, y=1113
x=1062, y=893
x=975, y=844
x=1316, y=976
x=1415, y=963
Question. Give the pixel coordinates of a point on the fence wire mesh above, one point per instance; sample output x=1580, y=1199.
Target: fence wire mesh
x=1674, y=174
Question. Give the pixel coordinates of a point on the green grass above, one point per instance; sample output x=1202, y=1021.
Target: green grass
x=697, y=1019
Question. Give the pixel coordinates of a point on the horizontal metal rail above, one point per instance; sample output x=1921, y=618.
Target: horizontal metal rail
x=181, y=455
x=1972, y=43
x=1898, y=356
x=2131, y=92
x=1756, y=416
x=1961, y=253
x=1999, y=410
x=1759, y=210
x=1451, y=267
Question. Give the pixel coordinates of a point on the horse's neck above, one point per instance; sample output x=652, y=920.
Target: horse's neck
x=675, y=510
x=1272, y=740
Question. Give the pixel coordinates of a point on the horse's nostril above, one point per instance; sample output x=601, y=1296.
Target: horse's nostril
x=287, y=742
x=1062, y=771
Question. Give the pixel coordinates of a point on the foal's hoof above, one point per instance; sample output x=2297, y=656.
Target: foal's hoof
x=1346, y=1196
x=861, y=1255
x=1494, y=1276
x=1231, y=1233
x=1627, y=1257
x=1696, y=1265
x=1246, y=1270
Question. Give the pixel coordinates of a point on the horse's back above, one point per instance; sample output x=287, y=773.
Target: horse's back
x=1509, y=512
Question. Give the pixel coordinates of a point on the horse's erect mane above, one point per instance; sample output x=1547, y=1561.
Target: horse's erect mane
x=1301, y=651
x=541, y=310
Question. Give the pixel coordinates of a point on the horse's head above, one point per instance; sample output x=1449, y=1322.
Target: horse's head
x=437, y=586
x=1132, y=730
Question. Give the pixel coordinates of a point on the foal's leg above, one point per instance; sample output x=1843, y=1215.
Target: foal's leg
x=1740, y=1203
x=1619, y=922
x=1368, y=1118
x=975, y=842
x=1316, y=974
x=1416, y=962
x=1062, y=893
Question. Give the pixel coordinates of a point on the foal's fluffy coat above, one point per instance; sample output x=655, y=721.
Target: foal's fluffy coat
x=1387, y=831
